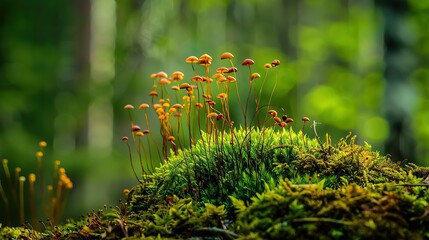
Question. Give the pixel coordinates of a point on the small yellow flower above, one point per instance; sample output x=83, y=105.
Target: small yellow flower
x=159, y=111
x=32, y=177
x=164, y=81
x=267, y=65
x=191, y=59
x=222, y=70
x=206, y=79
x=205, y=60
x=143, y=105
x=226, y=55
x=217, y=75
x=156, y=106
x=128, y=106
x=171, y=139
x=197, y=78
x=177, y=105
x=185, y=85
x=275, y=63
x=186, y=98
x=166, y=105
x=222, y=96
x=231, y=79
x=248, y=62
x=177, y=76
x=69, y=185
x=39, y=154
x=212, y=115
x=64, y=178
x=153, y=93
x=42, y=144
x=161, y=75
x=205, y=56
x=222, y=79
x=139, y=134
x=254, y=76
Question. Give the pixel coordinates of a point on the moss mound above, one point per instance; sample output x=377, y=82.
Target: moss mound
x=284, y=184
x=240, y=163
x=265, y=184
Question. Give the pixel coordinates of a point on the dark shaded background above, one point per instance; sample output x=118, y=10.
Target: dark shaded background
x=67, y=68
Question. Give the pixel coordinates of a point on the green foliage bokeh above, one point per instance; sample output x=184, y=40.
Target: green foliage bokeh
x=67, y=69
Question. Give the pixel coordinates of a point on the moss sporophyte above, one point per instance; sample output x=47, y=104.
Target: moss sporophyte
x=206, y=158
x=210, y=169
x=29, y=199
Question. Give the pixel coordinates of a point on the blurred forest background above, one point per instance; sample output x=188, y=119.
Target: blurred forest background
x=67, y=68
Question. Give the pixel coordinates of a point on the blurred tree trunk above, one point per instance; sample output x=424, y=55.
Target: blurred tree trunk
x=33, y=57
x=128, y=55
x=288, y=30
x=288, y=34
x=82, y=65
x=398, y=68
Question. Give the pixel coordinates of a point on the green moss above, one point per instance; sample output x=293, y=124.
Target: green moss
x=349, y=212
x=211, y=171
x=18, y=233
x=302, y=189
x=269, y=184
